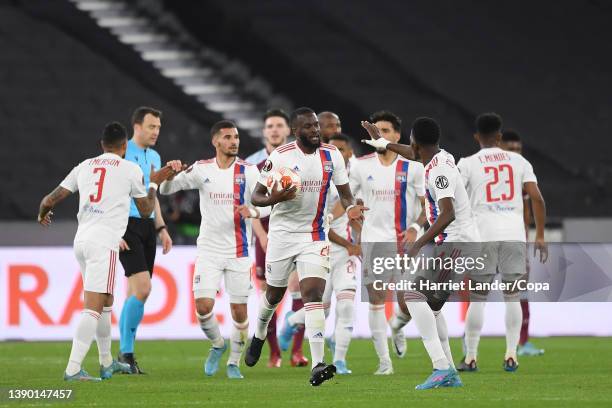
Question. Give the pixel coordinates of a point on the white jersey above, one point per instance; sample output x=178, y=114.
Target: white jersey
x=302, y=219
x=442, y=179
x=106, y=185
x=390, y=192
x=494, y=180
x=223, y=233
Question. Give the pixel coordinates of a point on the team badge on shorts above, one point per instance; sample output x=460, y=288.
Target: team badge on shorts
x=196, y=279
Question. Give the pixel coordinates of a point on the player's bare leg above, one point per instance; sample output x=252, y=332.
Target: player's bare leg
x=270, y=301
x=378, y=327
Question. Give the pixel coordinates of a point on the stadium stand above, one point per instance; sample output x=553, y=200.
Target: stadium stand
x=435, y=65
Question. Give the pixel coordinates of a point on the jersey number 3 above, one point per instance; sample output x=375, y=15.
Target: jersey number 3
x=99, y=183
x=506, y=172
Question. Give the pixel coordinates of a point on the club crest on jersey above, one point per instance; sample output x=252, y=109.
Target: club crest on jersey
x=401, y=177
x=239, y=179
x=441, y=182
x=328, y=166
x=267, y=166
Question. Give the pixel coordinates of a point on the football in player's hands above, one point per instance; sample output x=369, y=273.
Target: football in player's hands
x=284, y=178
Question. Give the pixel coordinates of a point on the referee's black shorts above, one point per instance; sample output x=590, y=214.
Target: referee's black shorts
x=141, y=237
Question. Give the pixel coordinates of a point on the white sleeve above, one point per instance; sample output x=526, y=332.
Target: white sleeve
x=340, y=176
x=70, y=183
x=270, y=165
x=419, y=179
x=464, y=169
x=354, y=180
x=186, y=180
x=528, y=174
x=137, y=188
x=444, y=180
x=252, y=176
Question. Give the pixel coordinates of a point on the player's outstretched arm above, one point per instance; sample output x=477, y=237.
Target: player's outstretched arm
x=447, y=215
x=379, y=142
x=49, y=202
x=261, y=198
x=539, y=214
x=146, y=205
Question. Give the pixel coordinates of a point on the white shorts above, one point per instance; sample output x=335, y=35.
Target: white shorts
x=343, y=271
x=508, y=258
x=210, y=269
x=282, y=258
x=98, y=265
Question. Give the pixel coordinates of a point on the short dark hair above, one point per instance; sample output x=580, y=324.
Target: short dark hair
x=114, y=134
x=341, y=136
x=276, y=113
x=510, y=135
x=299, y=112
x=426, y=131
x=142, y=111
x=222, y=124
x=387, y=116
x=488, y=123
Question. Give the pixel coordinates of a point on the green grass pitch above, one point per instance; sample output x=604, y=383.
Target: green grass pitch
x=573, y=372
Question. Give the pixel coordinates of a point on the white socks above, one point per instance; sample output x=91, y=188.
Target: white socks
x=474, y=319
x=399, y=320
x=238, y=337
x=210, y=327
x=314, y=320
x=266, y=310
x=344, y=323
x=425, y=321
x=514, y=318
x=299, y=317
x=85, y=333
x=443, y=336
x=378, y=328
x=103, y=337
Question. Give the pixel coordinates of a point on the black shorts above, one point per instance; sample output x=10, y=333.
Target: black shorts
x=141, y=237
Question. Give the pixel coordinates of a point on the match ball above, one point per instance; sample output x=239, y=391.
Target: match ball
x=284, y=177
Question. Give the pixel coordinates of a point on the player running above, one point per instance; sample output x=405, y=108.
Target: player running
x=298, y=234
x=495, y=180
x=451, y=227
x=106, y=184
x=225, y=184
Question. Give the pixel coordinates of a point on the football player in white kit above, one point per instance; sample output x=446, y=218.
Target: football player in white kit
x=452, y=228
x=392, y=187
x=298, y=234
x=495, y=180
x=225, y=183
x=106, y=184
x=343, y=268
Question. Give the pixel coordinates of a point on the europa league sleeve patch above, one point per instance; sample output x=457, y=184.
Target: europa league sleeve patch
x=441, y=182
x=267, y=166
